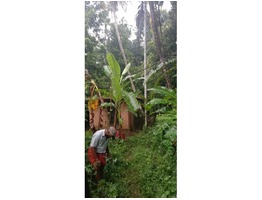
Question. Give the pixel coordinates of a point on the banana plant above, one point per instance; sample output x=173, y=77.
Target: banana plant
x=93, y=101
x=166, y=103
x=166, y=120
x=154, y=71
x=119, y=94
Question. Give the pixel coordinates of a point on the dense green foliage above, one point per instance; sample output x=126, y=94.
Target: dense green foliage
x=139, y=172
x=101, y=38
x=143, y=165
x=164, y=101
x=119, y=93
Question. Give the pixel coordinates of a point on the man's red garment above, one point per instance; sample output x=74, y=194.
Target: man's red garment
x=98, y=160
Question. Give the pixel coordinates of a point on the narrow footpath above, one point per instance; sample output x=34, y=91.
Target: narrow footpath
x=139, y=168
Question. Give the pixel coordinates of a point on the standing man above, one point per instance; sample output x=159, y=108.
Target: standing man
x=98, y=150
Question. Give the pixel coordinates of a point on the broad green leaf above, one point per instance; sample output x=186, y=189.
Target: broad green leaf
x=152, y=71
x=126, y=69
x=114, y=65
x=117, y=90
x=107, y=71
x=157, y=101
x=115, y=77
x=128, y=76
x=168, y=93
x=113, y=71
x=131, y=101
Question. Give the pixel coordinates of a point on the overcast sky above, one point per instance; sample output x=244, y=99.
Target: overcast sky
x=131, y=11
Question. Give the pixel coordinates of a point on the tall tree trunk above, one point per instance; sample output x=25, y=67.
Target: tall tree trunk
x=145, y=77
x=122, y=50
x=159, y=22
x=158, y=43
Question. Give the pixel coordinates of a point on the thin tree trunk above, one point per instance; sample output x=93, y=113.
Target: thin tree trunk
x=158, y=42
x=145, y=77
x=159, y=22
x=122, y=51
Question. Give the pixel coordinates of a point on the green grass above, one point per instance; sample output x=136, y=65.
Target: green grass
x=142, y=166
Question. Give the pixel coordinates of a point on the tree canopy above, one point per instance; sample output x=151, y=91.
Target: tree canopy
x=124, y=62
x=101, y=38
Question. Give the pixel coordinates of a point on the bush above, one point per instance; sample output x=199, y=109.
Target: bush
x=142, y=166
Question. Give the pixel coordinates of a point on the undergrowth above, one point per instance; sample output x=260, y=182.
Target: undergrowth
x=142, y=166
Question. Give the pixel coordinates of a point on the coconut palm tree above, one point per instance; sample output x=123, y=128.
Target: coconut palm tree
x=114, y=8
x=155, y=25
x=158, y=43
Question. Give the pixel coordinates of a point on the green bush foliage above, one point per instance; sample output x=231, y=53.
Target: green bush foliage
x=142, y=166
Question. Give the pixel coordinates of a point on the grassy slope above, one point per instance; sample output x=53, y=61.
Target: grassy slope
x=141, y=167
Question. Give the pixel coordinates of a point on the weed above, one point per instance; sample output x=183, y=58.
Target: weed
x=142, y=166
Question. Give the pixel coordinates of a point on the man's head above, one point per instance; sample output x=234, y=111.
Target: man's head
x=111, y=132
